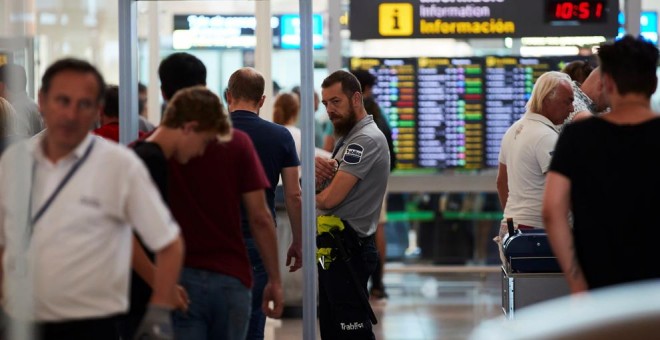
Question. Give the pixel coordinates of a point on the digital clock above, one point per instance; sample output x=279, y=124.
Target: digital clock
x=576, y=11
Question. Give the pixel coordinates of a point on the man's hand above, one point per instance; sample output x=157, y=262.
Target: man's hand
x=295, y=254
x=156, y=325
x=182, y=300
x=578, y=286
x=273, y=293
x=325, y=169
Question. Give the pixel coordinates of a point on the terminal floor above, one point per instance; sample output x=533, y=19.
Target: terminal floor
x=425, y=305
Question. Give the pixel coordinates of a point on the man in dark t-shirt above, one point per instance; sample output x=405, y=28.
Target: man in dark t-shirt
x=605, y=170
x=192, y=119
x=277, y=152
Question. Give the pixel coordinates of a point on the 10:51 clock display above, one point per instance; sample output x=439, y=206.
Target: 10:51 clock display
x=576, y=11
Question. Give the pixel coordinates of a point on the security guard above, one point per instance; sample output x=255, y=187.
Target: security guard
x=350, y=190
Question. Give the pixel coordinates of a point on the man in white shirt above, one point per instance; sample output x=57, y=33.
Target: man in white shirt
x=527, y=148
x=68, y=200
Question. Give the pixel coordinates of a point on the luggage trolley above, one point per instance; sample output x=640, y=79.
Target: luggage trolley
x=531, y=273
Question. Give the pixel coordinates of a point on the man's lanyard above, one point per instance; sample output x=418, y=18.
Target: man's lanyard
x=49, y=201
x=337, y=147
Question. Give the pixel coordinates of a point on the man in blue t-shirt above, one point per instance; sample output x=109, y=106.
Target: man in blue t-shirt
x=277, y=151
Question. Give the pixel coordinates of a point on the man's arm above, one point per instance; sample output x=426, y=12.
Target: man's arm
x=293, y=202
x=168, y=267
x=556, y=202
x=502, y=185
x=141, y=263
x=337, y=191
x=324, y=169
x=143, y=266
x=263, y=232
x=157, y=323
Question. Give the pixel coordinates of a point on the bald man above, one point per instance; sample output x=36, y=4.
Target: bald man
x=277, y=152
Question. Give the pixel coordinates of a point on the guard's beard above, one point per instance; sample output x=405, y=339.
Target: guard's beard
x=344, y=125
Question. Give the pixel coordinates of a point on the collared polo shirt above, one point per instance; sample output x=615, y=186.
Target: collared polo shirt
x=526, y=150
x=364, y=154
x=79, y=252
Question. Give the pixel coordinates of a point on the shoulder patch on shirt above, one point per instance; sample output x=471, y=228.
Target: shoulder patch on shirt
x=353, y=153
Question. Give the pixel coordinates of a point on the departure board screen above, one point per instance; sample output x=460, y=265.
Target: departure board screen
x=449, y=118
x=508, y=83
x=451, y=113
x=395, y=93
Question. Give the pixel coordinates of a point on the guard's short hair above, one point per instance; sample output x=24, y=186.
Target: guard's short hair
x=349, y=83
x=246, y=84
x=546, y=86
x=631, y=62
x=178, y=71
x=197, y=104
x=285, y=108
x=75, y=65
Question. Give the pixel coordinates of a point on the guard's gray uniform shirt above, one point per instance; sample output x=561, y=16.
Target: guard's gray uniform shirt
x=365, y=155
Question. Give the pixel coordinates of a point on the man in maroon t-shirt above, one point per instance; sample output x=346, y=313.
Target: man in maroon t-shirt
x=205, y=197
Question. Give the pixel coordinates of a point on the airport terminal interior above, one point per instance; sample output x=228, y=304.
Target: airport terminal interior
x=451, y=77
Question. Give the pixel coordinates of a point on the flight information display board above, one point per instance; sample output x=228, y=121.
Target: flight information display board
x=508, y=83
x=395, y=93
x=453, y=112
x=449, y=119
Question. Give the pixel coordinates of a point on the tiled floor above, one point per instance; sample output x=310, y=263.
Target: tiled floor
x=427, y=306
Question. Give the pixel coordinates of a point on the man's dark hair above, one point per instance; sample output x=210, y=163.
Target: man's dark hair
x=296, y=90
x=365, y=78
x=632, y=63
x=180, y=70
x=142, y=102
x=75, y=65
x=276, y=88
x=111, y=103
x=349, y=83
x=246, y=84
x=14, y=77
x=578, y=70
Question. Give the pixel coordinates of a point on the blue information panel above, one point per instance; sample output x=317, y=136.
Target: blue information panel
x=648, y=26
x=290, y=31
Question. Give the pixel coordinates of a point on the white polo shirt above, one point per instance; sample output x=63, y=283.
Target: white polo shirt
x=79, y=253
x=526, y=150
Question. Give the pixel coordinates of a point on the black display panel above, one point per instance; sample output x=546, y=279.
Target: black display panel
x=395, y=93
x=450, y=118
x=413, y=19
x=508, y=86
x=577, y=11
x=451, y=113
